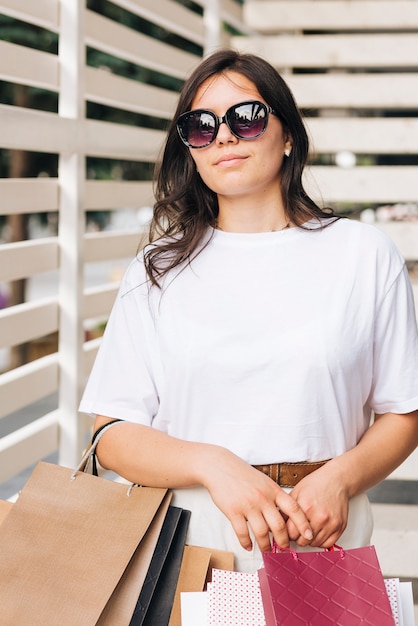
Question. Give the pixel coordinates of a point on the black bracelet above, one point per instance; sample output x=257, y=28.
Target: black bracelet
x=93, y=439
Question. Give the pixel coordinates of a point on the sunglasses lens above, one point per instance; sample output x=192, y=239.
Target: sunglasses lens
x=197, y=128
x=249, y=120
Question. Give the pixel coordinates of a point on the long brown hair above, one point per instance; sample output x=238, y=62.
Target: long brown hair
x=185, y=206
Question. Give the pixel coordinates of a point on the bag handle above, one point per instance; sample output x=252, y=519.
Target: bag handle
x=275, y=549
x=90, y=453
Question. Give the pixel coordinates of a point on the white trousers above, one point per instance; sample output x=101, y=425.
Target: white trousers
x=210, y=528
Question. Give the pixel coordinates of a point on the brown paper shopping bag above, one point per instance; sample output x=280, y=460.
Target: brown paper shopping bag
x=196, y=571
x=66, y=544
x=119, y=609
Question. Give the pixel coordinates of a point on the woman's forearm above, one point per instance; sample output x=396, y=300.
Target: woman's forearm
x=324, y=495
x=386, y=444
x=146, y=456
x=246, y=496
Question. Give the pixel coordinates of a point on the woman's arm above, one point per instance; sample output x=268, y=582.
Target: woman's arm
x=324, y=495
x=247, y=497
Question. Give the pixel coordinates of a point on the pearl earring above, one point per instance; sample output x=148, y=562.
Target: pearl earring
x=287, y=152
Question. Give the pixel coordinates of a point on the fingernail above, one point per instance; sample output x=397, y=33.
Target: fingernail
x=308, y=535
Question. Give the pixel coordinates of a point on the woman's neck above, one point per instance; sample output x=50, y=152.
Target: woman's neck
x=245, y=217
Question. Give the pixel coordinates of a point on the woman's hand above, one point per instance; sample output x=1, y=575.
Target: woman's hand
x=249, y=499
x=324, y=499
x=324, y=494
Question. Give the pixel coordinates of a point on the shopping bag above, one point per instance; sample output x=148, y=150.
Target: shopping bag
x=156, y=597
x=327, y=588
x=234, y=599
x=67, y=546
x=196, y=571
x=194, y=608
x=231, y=599
x=119, y=609
x=401, y=601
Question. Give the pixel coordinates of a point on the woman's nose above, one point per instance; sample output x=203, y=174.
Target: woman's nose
x=225, y=135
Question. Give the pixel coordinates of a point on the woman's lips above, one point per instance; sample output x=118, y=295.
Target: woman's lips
x=230, y=160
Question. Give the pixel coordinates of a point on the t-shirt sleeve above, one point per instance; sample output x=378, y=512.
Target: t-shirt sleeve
x=122, y=383
x=395, y=358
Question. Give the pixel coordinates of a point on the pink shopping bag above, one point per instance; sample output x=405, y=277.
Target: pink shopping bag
x=329, y=588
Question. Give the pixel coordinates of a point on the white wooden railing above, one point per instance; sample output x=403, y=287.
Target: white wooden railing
x=353, y=68
x=73, y=137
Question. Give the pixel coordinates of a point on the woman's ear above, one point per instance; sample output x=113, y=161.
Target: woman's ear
x=288, y=145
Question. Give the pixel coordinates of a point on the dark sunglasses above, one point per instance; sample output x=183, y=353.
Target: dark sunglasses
x=246, y=120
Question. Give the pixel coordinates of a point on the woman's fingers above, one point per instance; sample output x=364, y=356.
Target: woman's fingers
x=268, y=521
x=240, y=526
x=277, y=528
x=263, y=524
x=294, y=518
x=329, y=532
x=251, y=500
x=326, y=505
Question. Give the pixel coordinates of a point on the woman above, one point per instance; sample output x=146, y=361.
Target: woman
x=256, y=329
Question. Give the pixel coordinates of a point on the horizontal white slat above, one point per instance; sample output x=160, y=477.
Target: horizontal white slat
x=28, y=195
x=405, y=236
x=21, y=129
x=26, y=258
x=123, y=42
x=106, y=88
x=339, y=89
x=114, y=194
x=28, y=321
x=333, y=51
x=99, y=300
x=232, y=14
x=269, y=16
x=28, y=445
x=364, y=135
x=169, y=15
x=231, y=10
x=381, y=184
x=114, y=245
x=44, y=13
x=19, y=64
x=120, y=141
x=27, y=384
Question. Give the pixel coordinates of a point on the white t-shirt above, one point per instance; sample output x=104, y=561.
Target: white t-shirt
x=275, y=345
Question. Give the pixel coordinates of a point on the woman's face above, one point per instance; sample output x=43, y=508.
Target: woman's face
x=234, y=167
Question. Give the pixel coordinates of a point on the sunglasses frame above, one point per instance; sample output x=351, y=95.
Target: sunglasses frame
x=224, y=119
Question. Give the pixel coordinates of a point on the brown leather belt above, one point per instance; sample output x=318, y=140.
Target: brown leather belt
x=289, y=474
